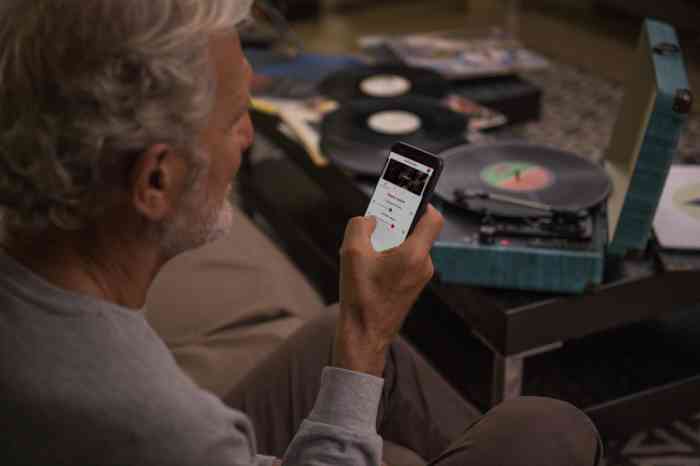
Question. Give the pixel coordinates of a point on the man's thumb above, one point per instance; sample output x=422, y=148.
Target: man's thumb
x=358, y=232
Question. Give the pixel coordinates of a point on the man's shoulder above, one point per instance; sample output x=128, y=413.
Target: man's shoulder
x=87, y=385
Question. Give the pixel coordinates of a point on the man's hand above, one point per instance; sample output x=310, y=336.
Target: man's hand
x=377, y=289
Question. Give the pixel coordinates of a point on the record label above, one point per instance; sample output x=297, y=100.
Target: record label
x=517, y=176
x=394, y=122
x=385, y=85
x=687, y=200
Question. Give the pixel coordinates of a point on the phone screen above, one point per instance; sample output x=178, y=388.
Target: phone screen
x=396, y=200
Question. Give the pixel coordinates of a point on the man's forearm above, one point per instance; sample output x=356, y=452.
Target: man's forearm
x=357, y=350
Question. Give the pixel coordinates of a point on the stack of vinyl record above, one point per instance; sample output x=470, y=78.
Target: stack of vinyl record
x=380, y=105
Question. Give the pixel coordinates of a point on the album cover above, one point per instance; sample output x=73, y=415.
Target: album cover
x=677, y=220
x=457, y=57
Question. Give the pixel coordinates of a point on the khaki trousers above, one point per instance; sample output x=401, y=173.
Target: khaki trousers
x=418, y=411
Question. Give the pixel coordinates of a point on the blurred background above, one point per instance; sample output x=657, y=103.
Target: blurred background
x=594, y=34
x=571, y=104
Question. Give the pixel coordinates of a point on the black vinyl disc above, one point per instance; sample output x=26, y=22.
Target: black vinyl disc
x=523, y=171
x=383, y=82
x=358, y=135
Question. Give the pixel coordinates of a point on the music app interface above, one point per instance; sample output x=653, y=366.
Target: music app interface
x=396, y=200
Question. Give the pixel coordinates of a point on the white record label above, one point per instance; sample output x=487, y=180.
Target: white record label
x=394, y=122
x=385, y=85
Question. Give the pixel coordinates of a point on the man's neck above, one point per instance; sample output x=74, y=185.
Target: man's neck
x=114, y=271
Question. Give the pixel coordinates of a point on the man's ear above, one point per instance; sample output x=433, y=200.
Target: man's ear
x=156, y=182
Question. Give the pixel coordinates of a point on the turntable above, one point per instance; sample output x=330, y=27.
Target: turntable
x=531, y=217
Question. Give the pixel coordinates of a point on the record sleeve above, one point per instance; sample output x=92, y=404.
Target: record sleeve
x=677, y=220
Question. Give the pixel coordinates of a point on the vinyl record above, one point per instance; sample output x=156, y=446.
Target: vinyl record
x=358, y=135
x=677, y=219
x=383, y=82
x=523, y=171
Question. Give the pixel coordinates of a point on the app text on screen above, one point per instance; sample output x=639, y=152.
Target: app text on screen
x=396, y=200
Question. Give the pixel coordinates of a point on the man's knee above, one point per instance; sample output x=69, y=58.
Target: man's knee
x=561, y=429
x=322, y=325
x=533, y=431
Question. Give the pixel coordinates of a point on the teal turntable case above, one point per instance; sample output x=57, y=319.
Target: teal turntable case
x=646, y=136
x=654, y=110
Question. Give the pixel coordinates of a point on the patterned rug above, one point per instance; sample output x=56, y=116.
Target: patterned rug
x=579, y=111
x=677, y=444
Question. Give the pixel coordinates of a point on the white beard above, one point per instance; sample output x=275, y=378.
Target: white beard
x=222, y=224
x=195, y=226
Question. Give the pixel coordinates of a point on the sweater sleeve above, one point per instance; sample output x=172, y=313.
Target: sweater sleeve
x=264, y=460
x=341, y=428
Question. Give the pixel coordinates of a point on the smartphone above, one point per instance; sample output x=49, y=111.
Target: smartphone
x=402, y=193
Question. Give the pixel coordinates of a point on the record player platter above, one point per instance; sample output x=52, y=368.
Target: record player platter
x=515, y=172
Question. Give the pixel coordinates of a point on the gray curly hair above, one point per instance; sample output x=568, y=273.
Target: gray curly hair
x=86, y=86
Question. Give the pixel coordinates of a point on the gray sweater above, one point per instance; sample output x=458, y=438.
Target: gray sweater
x=87, y=382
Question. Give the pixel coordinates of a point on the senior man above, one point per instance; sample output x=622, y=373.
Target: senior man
x=121, y=128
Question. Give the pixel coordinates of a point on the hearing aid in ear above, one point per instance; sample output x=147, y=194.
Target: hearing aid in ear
x=155, y=180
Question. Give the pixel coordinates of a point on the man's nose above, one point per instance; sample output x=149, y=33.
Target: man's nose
x=248, y=132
